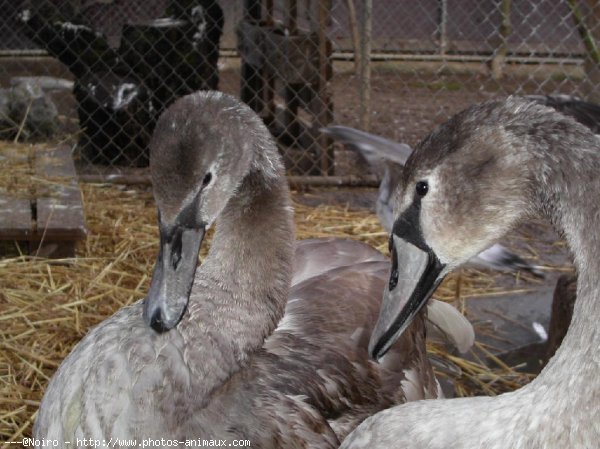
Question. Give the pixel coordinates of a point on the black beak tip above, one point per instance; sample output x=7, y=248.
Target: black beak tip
x=376, y=350
x=157, y=323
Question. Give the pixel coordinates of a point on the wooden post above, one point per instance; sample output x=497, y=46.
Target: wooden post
x=443, y=30
x=585, y=33
x=504, y=31
x=325, y=115
x=270, y=86
x=365, y=70
x=292, y=17
x=591, y=63
x=269, y=13
x=355, y=35
x=251, y=88
x=291, y=91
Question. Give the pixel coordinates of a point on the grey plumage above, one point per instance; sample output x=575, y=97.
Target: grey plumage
x=503, y=161
x=584, y=112
x=244, y=361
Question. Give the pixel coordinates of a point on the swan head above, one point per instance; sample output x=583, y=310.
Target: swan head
x=203, y=146
x=465, y=186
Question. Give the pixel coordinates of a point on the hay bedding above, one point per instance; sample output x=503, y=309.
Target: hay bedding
x=47, y=306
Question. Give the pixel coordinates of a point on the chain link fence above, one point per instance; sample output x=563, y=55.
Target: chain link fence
x=100, y=72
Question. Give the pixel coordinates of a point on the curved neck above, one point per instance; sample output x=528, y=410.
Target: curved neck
x=241, y=289
x=560, y=407
x=252, y=249
x=569, y=196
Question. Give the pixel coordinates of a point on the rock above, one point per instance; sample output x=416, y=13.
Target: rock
x=29, y=106
x=27, y=111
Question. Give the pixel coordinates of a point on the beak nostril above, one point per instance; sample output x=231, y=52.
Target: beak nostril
x=176, y=248
x=394, y=272
x=175, y=259
x=393, y=280
x=157, y=323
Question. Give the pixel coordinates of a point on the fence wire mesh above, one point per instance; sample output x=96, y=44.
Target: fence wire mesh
x=100, y=72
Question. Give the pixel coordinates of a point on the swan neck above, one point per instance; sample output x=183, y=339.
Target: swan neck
x=242, y=287
x=252, y=248
x=575, y=211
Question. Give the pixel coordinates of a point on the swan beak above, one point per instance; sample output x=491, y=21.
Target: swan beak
x=414, y=276
x=173, y=277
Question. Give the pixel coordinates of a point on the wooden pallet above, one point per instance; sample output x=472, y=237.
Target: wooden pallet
x=52, y=222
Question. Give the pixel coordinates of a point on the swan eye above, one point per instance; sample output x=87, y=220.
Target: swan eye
x=207, y=179
x=422, y=188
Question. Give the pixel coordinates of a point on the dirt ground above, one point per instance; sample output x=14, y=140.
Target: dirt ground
x=407, y=102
